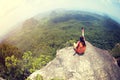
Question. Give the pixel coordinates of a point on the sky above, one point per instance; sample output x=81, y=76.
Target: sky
x=13, y=12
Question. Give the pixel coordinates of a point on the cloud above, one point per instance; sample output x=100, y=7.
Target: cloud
x=15, y=11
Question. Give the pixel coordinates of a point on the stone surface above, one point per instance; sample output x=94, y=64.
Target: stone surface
x=95, y=64
x=1, y=78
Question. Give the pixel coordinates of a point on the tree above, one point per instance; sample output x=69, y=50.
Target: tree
x=116, y=51
x=6, y=50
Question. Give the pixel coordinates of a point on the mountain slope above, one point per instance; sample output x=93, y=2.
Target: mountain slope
x=95, y=64
x=55, y=29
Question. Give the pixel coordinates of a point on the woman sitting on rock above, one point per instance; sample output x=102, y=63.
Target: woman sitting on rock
x=80, y=47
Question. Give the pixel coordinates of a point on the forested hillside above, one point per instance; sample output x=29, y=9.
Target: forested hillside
x=62, y=26
x=37, y=39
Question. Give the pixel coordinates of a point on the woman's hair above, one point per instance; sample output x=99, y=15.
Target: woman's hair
x=82, y=40
x=82, y=28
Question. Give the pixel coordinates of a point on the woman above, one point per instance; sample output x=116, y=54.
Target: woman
x=80, y=47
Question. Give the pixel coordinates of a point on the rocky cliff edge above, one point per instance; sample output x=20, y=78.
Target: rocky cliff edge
x=95, y=64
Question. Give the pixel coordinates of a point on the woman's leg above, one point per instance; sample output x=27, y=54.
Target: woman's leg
x=83, y=31
x=74, y=45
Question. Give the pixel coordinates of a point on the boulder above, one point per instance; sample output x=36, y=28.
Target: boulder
x=95, y=64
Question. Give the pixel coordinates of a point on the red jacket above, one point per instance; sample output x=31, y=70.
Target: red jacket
x=80, y=49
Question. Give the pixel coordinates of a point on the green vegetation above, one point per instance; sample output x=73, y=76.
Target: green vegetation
x=34, y=44
x=54, y=31
x=38, y=77
x=17, y=67
x=116, y=51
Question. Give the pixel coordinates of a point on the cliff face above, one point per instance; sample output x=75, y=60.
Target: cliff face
x=95, y=64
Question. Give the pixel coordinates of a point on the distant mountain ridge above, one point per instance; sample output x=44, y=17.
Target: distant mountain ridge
x=68, y=24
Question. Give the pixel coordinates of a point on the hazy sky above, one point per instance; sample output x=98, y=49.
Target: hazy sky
x=16, y=11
